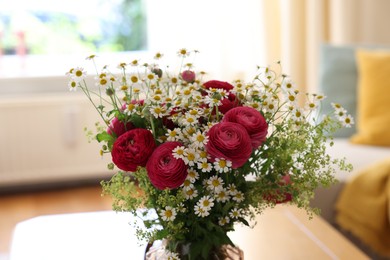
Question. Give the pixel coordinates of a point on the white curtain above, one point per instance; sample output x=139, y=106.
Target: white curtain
x=235, y=36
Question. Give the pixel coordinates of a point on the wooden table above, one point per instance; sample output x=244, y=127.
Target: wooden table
x=284, y=232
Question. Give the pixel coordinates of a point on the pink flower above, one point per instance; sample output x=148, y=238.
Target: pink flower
x=229, y=141
x=118, y=127
x=277, y=197
x=188, y=76
x=164, y=170
x=133, y=149
x=252, y=120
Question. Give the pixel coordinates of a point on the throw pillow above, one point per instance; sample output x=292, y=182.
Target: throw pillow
x=373, y=115
x=338, y=81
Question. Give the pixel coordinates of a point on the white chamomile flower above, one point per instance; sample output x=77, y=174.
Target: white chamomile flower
x=77, y=74
x=206, y=202
x=187, y=184
x=288, y=85
x=158, y=111
x=181, y=208
x=171, y=255
x=174, y=135
x=340, y=113
x=215, y=183
x=222, y=195
x=238, y=197
x=102, y=82
x=347, y=121
x=168, y=214
x=232, y=189
x=222, y=221
x=291, y=97
x=222, y=165
x=190, y=156
x=192, y=175
x=183, y=52
x=178, y=152
x=72, y=84
x=311, y=105
x=131, y=108
x=189, y=120
x=235, y=213
x=204, y=166
x=297, y=114
x=190, y=193
x=200, y=211
x=211, y=101
x=199, y=139
x=319, y=97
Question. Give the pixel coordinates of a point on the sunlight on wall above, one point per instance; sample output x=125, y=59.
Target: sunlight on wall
x=229, y=34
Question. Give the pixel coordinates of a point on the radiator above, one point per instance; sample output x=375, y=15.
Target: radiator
x=42, y=140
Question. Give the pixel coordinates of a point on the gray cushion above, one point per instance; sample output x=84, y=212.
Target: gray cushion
x=338, y=79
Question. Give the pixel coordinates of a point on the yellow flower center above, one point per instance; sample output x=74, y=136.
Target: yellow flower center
x=222, y=163
x=134, y=79
x=168, y=213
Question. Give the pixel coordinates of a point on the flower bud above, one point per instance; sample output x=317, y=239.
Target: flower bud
x=188, y=76
x=158, y=72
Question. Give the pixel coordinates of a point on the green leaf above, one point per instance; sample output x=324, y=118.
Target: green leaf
x=243, y=221
x=104, y=136
x=138, y=121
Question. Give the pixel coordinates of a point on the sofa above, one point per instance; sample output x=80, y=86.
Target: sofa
x=355, y=76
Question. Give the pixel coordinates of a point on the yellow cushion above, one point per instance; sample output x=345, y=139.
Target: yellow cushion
x=373, y=112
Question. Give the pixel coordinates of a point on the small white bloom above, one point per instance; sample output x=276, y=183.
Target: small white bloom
x=212, y=101
x=190, y=156
x=190, y=193
x=178, y=152
x=235, y=213
x=222, y=165
x=73, y=85
x=288, y=85
x=199, y=139
x=215, y=183
x=158, y=111
x=200, y=211
x=206, y=202
x=187, y=184
x=192, y=175
x=174, y=135
x=232, y=189
x=347, y=121
x=222, y=195
x=238, y=197
x=77, y=74
x=222, y=221
x=171, y=255
x=168, y=214
x=204, y=166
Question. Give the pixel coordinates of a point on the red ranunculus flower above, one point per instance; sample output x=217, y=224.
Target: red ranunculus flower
x=252, y=120
x=118, y=127
x=279, y=198
x=228, y=102
x=164, y=170
x=230, y=141
x=133, y=149
x=218, y=84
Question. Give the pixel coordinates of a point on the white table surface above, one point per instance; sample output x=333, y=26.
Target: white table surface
x=281, y=233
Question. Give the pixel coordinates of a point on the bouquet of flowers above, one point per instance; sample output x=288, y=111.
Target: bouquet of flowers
x=205, y=155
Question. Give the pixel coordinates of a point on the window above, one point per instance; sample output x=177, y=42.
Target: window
x=33, y=31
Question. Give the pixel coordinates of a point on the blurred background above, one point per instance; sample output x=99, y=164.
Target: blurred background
x=42, y=141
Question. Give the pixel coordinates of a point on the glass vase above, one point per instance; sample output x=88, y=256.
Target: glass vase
x=157, y=251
